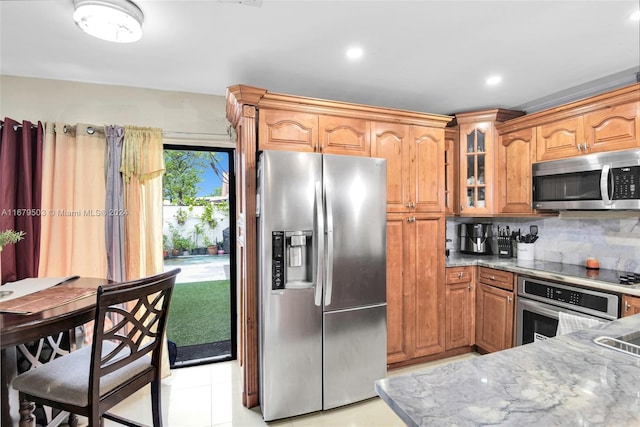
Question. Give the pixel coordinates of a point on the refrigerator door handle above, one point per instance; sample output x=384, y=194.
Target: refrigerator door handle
x=329, y=275
x=320, y=244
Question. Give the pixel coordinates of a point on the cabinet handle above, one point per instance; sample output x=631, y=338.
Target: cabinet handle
x=408, y=204
x=509, y=299
x=579, y=147
x=626, y=306
x=411, y=219
x=469, y=287
x=460, y=274
x=492, y=277
x=586, y=146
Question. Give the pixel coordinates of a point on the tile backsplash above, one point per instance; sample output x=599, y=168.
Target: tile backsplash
x=571, y=239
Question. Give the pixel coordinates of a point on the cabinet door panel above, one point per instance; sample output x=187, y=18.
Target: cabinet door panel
x=494, y=321
x=429, y=282
x=560, y=139
x=460, y=315
x=516, y=152
x=476, y=168
x=451, y=199
x=615, y=128
x=389, y=141
x=427, y=168
x=630, y=305
x=287, y=130
x=342, y=135
x=397, y=282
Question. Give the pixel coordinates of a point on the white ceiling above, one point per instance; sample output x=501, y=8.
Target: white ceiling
x=430, y=56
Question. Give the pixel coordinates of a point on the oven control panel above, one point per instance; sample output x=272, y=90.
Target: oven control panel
x=589, y=301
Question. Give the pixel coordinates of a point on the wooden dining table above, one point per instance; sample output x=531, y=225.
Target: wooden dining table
x=16, y=329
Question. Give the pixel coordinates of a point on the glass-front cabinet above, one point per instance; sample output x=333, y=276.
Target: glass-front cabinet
x=476, y=167
x=477, y=142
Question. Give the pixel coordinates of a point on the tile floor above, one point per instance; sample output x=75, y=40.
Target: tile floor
x=209, y=395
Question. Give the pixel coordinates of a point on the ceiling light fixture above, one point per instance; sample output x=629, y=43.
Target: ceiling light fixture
x=494, y=80
x=635, y=16
x=354, y=52
x=112, y=20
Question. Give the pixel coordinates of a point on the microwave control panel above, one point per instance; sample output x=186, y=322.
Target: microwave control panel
x=626, y=183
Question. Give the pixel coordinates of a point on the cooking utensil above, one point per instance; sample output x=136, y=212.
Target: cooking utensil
x=533, y=229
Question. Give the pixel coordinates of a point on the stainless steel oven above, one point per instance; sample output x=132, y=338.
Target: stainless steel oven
x=540, y=301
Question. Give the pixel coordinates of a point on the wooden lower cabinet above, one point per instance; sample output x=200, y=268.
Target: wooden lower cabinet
x=630, y=305
x=460, y=309
x=415, y=286
x=494, y=310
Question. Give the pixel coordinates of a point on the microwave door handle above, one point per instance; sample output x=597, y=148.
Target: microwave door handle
x=604, y=185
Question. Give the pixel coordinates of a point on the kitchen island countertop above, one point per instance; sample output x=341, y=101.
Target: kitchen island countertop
x=567, y=273
x=566, y=381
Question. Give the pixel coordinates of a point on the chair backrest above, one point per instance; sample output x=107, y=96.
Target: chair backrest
x=137, y=311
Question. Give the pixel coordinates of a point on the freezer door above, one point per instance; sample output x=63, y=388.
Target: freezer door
x=355, y=354
x=290, y=323
x=355, y=202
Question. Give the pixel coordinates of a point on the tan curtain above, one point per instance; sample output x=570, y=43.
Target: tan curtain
x=73, y=202
x=142, y=168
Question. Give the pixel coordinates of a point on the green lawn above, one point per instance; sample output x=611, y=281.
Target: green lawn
x=199, y=313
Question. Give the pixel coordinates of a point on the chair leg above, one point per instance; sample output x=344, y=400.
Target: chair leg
x=26, y=414
x=156, y=404
x=73, y=420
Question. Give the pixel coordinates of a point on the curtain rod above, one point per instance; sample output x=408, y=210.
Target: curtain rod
x=174, y=135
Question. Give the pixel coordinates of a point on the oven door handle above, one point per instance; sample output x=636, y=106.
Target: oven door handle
x=539, y=308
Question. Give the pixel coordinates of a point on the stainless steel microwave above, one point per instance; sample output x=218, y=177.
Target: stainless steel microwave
x=598, y=181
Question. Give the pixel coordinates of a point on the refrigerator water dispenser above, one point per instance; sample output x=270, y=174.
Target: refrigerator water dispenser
x=292, y=259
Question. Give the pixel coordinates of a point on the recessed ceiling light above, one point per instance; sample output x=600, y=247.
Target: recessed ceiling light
x=113, y=20
x=494, y=80
x=635, y=16
x=354, y=52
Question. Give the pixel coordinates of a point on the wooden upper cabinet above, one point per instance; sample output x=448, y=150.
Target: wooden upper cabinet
x=343, y=135
x=476, y=168
x=427, y=174
x=560, y=139
x=613, y=128
x=451, y=204
x=287, y=130
x=516, y=153
x=390, y=141
x=415, y=172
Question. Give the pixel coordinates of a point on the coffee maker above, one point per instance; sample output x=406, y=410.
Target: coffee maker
x=475, y=238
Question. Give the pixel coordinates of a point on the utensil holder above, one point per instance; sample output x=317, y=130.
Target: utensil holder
x=526, y=251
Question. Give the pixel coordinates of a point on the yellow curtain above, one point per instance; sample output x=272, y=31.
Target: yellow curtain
x=142, y=168
x=73, y=201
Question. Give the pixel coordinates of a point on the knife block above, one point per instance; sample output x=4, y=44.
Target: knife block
x=505, y=248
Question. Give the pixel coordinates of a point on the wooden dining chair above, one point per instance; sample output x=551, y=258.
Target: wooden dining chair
x=121, y=359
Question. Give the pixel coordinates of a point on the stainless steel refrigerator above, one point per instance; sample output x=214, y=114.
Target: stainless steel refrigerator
x=322, y=278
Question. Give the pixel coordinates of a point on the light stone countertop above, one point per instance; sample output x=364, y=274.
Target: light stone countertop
x=562, y=381
x=568, y=273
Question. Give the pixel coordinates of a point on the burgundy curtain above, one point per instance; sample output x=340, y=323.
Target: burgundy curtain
x=20, y=195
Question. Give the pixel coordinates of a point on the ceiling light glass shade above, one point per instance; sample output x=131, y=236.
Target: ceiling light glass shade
x=113, y=20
